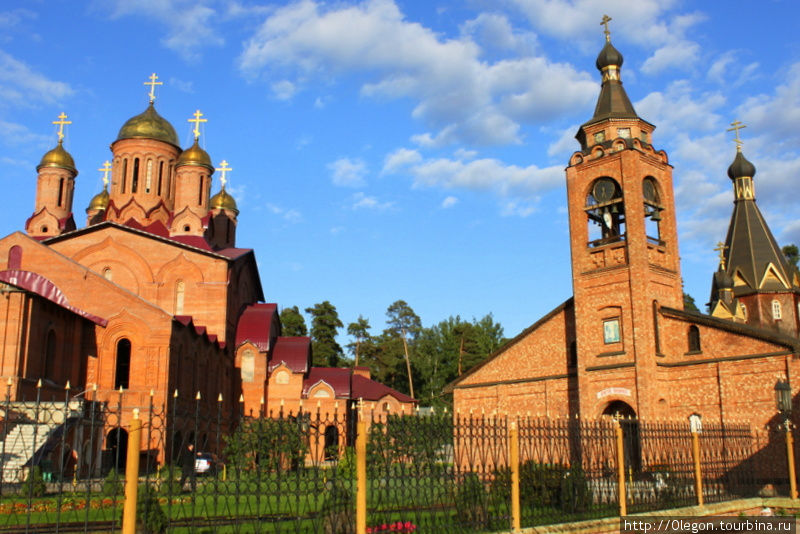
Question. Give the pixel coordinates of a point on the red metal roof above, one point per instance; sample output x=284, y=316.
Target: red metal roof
x=337, y=378
x=45, y=288
x=255, y=325
x=294, y=352
x=367, y=389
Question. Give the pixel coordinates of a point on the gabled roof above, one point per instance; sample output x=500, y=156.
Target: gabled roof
x=338, y=378
x=255, y=325
x=507, y=345
x=294, y=352
x=370, y=390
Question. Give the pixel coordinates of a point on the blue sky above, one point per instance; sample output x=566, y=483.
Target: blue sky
x=414, y=150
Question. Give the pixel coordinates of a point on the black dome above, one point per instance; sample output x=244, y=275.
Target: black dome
x=741, y=167
x=608, y=56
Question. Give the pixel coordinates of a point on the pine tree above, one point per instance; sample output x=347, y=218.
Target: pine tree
x=292, y=322
x=324, y=329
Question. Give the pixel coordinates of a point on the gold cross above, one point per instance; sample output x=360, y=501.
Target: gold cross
x=736, y=127
x=224, y=169
x=152, y=83
x=197, y=120
x=61, y=122
x=105, y=170
x=721, y=249
x=604, y=22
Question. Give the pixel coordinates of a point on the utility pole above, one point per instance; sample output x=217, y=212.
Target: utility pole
x=408, y=363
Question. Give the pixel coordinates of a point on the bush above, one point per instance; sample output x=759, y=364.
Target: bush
x=112, y=484
x=271, y=444
x=169, y=480
x=35, y=484
x=338, y=510
x=150, y=518
x=543, y=486
x=471, y=502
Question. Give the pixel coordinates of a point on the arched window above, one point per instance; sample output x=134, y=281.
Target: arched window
x=776, y=310
x=282, y=377
x=694, y=339
x=15, y=258
x=124, y=173
x=50, y=356
x=200, y=190
x=160, y=175
x=180, y=291
x=60, y=192
x=135, y=177
x=148, y=179
x=123, y=366
x=248, y=366
x=652, y=210
x=606, y=212
x=108, y=274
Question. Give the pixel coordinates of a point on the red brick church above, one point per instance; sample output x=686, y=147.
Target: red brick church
x=623, y=343
x=153, y=295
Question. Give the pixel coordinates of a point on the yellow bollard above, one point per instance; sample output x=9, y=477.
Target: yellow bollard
x=790, y=460
x=132, y=475
x=698, y=475
x=361, y=476
x=513, y=460
x=623, y=499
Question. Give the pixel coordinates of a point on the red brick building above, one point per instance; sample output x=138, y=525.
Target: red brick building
x=623, y=342
x=152, y=296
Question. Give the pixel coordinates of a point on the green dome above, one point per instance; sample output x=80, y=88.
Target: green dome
x=149, y=125
x=58, y=157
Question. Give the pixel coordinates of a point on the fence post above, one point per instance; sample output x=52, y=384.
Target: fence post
x=132, y=475
x=623, y=499
x=361, y=474
x=513, y=460
x=790, y=460
x=698, y=475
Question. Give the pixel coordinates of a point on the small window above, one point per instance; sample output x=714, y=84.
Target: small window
x=282, y=377
x=180, y=295
x=599, y=137
x=44, y=229
x=248, y=366
x=135, y=177
x=644, y=137
x=148, y=181
x=694, y=339
x=186, y=228
x=776, y=310
x=744, y=309
x=123, y=367
x=611, y=331
x=387, y=407
x=625, y=133
x=107, y=273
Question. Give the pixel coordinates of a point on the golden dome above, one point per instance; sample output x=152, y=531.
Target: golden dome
x=149, y=125
x=58, y=157
x=194, y=155
x=99, y=202
x=223, y=201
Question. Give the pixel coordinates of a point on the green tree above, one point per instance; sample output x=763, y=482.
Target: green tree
x=292, y=322
x=400, y=317
x=325, y=324
x=689, y=304
x=360, y=331
x=792, y=255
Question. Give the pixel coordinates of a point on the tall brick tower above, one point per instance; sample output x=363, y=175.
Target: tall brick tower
x=624, y=248
x=55, y=184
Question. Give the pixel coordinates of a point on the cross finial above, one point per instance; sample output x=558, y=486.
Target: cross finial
x=604, y=22
x=224, y=169
x=736, y=127
x=61, y=122
x=721, y=248
x=152, y=83
x=105, y=170
x=197, y=120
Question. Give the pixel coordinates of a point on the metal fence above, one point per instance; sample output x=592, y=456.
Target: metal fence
x=63, y=463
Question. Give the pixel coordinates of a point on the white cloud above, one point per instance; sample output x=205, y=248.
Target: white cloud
x=513, y=208
x=283, y=90
x=21, y=85
x=189, y=23
x=289, y=215
x=348, y=172
x=449, y=202
x=485, y=174
x=181, y=85
x=13, y=134
x=362, y=201
x=678, y=54
x=459, y=95
x=401, y=157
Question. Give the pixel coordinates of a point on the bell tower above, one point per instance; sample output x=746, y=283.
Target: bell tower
x=624, y=245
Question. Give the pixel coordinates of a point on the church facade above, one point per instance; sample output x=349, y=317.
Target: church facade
x=152, y=300
x=623, y=344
